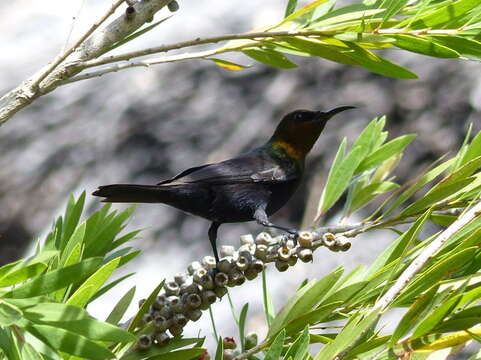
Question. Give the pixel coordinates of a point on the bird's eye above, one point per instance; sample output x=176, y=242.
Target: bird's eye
x=298, y=116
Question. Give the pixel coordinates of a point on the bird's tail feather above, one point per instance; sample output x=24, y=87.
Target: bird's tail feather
x=131, y=193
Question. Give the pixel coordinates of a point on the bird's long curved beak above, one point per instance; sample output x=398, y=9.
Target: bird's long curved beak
x=329, y=114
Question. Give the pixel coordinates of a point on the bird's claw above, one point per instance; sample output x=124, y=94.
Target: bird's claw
x=293, y=234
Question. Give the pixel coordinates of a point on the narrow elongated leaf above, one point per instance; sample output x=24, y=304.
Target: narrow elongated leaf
x=267, y=300
x=384, y=152
x=55, y=280
x=9, y=314
x=22, y=274
x=228, y=65
x=70, y=342
x=185, y=354
x=465, y=47
x=318, y=48
x=392, y=8
x=348, y=16
x=8, y=345
x=290, y=8
x=379, y=64
x=74, y=244
x=145, y=307
x=412, y=316
x=275, y=349
x=121, y=307
x=299, y=349
x=426, y=178
x=356, y=326
x=312, y=317
x=368, y=193
x=304, y=300
x=72, y=217
x=109, y=286
x=83, y=294
x=156, y=349
x=270, y=57
x=448, y=13
x=302, y=11
x=242, y=324
x=219, y=352
x=29, y=352
x=424, y=46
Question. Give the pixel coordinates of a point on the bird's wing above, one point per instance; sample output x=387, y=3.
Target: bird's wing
x=244, y=169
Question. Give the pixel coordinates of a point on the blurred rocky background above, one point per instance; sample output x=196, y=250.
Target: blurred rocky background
x=145, y=125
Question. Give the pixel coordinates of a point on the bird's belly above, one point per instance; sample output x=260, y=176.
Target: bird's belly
x=238, y=202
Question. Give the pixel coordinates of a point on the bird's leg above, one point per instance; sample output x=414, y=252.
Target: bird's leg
x=213, y=239
x=261, y=217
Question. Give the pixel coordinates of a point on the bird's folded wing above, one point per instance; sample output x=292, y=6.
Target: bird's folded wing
x=239, y=170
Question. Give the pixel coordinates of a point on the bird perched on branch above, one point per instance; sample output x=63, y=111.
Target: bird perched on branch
x=251, y=186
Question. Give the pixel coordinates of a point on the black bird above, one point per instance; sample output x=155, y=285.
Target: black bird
x=249, y=187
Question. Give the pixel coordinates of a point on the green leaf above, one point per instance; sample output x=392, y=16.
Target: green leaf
x=302, y=11
x=446, y=187
x=357, y=325
x=22, y=274
x=29, y=352
x=76, y=320
x=413, y=315
x=121, y=307
x=384, y=152
x=396, y=249
x=71, y=218
x=83, y=294
x=145, y=307
x=55, y=280
x=186, y=354
x=326, y=21
x=290, y=8
x=242, y=324
x=465, y=47
x=423, y=180
x=69, y=342
x=318, y=48
x=423, y=45
x=109, y=286
x=392, y=8
x=228, y=65
x=378, y=64
x=8, y=345
x=299, y=349
x=267, y=301
x=275, y=349
x=73, y=246
x=473, y=150
x=9, y=313
x=313, y=317
x=304, y=300
x=270, y=57
x=436, y=272
x=155, y=349
x=368, y=193
x=219, y=352
x=451, y=11
x=445, y=309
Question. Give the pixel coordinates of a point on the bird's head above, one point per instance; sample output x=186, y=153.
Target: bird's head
x=299, y=130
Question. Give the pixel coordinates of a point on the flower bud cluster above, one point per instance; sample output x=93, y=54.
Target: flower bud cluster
x=185, y=297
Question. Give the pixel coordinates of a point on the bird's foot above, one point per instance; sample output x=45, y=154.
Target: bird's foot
x=293, y=234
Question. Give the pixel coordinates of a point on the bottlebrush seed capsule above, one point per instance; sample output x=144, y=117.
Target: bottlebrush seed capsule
x=250, y=273
x=193, y=301
x=281, y=265
x=221, y=279
x=180, y=278
x=161, y=337
x=226, y=250
x=284, y=253
x=173, y=6
x=145, y=341
x=305, y=239
x=198, y=274
x=171, y=288
x=305, y=255
x=261, y=251
x=242, y=263
x=225, y=265
x=258, y=265
x=176, y=330
x=193, y=266
x=246, y=239
x=220, y=291
x=263, y=238
x=180, y=320
x=208, y=262
x=193, y=314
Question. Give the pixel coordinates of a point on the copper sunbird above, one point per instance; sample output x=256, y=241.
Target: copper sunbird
x=251, y=186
